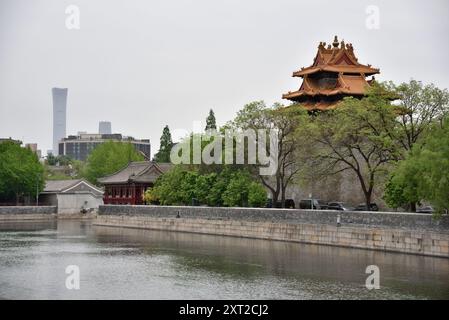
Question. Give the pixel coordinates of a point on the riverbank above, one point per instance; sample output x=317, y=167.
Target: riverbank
x=395, y=232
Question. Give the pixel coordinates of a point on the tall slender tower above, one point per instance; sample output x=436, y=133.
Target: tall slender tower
x=59, y=116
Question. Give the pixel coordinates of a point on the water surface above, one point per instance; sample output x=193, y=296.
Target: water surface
x=119, y=263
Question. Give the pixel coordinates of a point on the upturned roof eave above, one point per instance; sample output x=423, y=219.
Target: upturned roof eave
x=368, y=71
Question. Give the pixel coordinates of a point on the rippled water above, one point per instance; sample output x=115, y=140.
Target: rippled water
x=119, y=263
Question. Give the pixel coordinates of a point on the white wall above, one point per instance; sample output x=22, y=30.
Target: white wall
x=73, y=202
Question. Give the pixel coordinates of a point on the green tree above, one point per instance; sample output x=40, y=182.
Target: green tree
x=166, y=144
x=166, y=190
x=204, y=183
x=402, y=187
x=61, y=160
x=420, y=106
x=236, y=193
x=433, y=159
x=424, y=174
x=108, y=158
x=257, y=195
x=243, y=191
x=359, y=137
x=284, y=121
x=218, y=187
x=21, y=173
x=210, y=121
x=51, y=159
x=229, y=188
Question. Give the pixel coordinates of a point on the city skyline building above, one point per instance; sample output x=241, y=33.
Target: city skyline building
x=78, y=147
x=104, y=127
x=59, y=116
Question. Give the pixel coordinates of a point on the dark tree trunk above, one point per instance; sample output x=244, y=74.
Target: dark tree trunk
x=283, y=198
x=368, y=201
x=275, y=196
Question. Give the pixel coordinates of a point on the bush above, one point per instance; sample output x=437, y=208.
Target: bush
x=180, y=186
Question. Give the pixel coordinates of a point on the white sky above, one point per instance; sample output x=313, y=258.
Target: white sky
x=144, y=64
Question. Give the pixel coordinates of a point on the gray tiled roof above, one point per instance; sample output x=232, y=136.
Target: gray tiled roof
x=69, y=186
x=138, y=172
x=59, y=185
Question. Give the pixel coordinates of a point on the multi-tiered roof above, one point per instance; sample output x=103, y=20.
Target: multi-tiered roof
x=334, y=74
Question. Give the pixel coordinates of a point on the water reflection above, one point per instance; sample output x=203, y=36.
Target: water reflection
x=119, y=263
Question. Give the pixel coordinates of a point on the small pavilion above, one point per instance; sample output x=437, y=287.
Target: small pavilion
x=128, y=185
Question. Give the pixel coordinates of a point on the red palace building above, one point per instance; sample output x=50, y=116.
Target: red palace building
x=128, y=185
x=334, y=74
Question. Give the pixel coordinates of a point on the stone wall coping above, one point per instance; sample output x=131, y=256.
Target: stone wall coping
x=274, y=209
x=408, y=221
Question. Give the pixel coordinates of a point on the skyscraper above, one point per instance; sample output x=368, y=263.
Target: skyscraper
x=59, y=116
x=104, y=127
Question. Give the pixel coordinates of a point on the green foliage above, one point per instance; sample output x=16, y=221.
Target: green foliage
x=203, y=188
x=57, y=176
x=236, y=193
x=420, y=107
x=78, y=169
x=51, y=160
x=402, y=187
x=73, y=169
x=395, y=192
x=61, y=160
x=218, y=187
x=210, y=121
x=21, y=173
x=424, y=174
x=257, y=195
x=358, y=136
x=166, y=144
x=243, y=191
x=284, y=121
x=229, y=188
x=108, y=158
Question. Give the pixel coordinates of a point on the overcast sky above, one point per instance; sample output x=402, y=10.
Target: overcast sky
x=142, y=64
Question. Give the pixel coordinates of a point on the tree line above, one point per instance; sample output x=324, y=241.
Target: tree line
x=392, y=139
x=395, y=138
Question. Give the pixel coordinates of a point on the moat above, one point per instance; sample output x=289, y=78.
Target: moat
x=119, y=263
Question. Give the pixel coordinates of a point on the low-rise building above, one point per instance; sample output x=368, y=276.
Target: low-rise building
x=128, y=185
x=71, y=196
x=78, y=147
x=11, y=140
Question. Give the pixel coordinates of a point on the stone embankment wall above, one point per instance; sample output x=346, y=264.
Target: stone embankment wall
x=397, y=232
x=21, y=213
x=27, y=213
